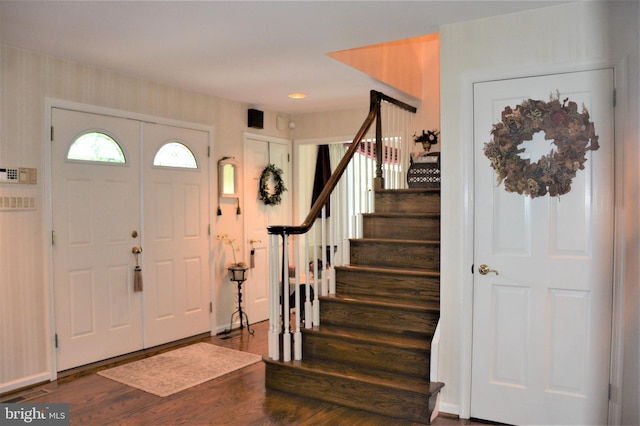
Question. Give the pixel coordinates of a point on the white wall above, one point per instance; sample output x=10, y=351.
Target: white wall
x=523, y=44
x=26, y=79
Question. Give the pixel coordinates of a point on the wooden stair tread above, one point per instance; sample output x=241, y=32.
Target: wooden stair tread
x=419, y=307
x=394, y=241
x=390, y=271
x=378, y=378
x=408, y=191
x=404, y=341
x=403, y=215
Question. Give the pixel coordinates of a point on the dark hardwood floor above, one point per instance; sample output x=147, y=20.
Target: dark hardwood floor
x=239, y=398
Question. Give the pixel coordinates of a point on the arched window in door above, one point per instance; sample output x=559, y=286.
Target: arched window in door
x=175, y=154
x=96, y=147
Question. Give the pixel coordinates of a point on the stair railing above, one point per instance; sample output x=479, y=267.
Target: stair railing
x=317, y=277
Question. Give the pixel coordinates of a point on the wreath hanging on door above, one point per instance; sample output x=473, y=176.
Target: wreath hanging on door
x=573, y=134
x=275, y=198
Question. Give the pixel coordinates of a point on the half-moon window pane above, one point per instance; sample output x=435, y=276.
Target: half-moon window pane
x=175, y=154
x=96, y=146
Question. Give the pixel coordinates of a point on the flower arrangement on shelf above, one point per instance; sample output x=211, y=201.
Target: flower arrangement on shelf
x=236, y=269
x=427, y=138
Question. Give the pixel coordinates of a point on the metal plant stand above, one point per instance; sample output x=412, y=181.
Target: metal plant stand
x=238, y=275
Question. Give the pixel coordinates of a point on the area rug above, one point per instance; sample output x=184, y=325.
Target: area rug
x=170, y=372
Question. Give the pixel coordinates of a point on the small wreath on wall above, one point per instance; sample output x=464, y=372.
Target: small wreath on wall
x=275, y=198
x=573, y=134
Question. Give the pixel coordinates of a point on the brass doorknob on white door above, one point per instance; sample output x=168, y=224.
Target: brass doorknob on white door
x=484, y=270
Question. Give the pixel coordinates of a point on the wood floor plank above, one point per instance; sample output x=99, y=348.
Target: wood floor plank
x=238, y=398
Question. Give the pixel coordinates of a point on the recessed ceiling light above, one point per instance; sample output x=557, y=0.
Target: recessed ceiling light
x=297, y=95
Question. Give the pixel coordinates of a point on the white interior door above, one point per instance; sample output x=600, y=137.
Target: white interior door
x=95, y=213
x=258, y=153
x=175, y=234
x=541, y=328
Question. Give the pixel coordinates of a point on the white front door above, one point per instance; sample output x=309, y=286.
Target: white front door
x=103, y=208
x=176, y=239
x=541, y=328
x=258, y=153
x=96, y=213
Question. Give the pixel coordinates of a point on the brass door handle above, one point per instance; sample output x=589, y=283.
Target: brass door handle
x=252, y=241
x=484, y=270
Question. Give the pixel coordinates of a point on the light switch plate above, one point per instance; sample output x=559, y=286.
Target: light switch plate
x=27, y=175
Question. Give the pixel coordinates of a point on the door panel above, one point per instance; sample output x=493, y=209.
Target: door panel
x=541, y=328
x=95, y=209
x=176, y=240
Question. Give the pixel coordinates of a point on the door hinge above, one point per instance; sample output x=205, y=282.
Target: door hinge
x=56, y=340
x=615, y=97
x=208, y=151
x=610, y=391
x=288, y=158
x=472, y=268
x=53, y=238
x=209, y=229
x=51, y=135
x=210, y=307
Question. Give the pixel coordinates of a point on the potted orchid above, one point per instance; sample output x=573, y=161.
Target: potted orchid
x=237, y=270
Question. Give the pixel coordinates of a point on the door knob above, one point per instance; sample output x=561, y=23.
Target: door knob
x=484, y=270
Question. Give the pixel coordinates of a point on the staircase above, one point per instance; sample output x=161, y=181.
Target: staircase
x=373, y=347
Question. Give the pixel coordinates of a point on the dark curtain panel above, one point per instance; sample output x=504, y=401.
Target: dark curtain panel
x=322, y=175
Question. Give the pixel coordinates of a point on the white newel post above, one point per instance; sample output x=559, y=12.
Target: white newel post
x=274, y=315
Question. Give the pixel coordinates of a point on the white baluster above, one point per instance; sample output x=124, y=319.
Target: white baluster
x=331, y=273
x=316, y=301
x=286, y=337
x=297, y=337
x=308, y=307
x=323, y=250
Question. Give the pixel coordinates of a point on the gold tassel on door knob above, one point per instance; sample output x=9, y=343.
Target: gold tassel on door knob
x=137, y=271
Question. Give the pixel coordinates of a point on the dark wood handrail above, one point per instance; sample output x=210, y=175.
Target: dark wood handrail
x=374, y=111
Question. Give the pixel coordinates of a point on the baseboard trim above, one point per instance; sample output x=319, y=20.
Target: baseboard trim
x=448, y=409
x=24, y=382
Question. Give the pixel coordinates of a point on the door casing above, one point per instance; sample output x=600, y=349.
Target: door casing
x=467, y=254
x=550, y=240
x=260, y=303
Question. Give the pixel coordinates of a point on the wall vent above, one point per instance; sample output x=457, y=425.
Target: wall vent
x=255, y=119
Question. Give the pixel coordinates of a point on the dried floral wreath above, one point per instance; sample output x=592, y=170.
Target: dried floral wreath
x=263, y=191
x=573, y=134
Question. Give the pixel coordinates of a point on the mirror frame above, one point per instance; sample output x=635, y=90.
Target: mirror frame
x=222, y=180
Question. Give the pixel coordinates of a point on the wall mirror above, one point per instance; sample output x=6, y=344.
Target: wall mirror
x=228, y=182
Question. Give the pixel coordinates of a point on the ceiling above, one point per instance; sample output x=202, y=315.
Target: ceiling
x=254, y=52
